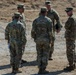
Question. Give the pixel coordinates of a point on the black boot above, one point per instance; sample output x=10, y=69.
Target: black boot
x=40, y=71
x=70, y=68
x=13, y=69
x=43, y=71
x=23, y=61
x=50, y=58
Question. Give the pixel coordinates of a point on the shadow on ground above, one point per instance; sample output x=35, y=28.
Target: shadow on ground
x=5, y=67
x=9, y=74
x=32, y=63
x=53, y=73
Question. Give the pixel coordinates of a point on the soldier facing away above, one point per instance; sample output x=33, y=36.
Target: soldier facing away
x=56, y=26
x=15, y=35
x=20, y=9
x=70, y=36
x=42, y=32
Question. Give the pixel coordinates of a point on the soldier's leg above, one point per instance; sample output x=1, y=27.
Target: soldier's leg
x=45, y=57
x=70, y=46
x=23, y=61
x=70, y=50
x=18, y=57
x=51, y=50
x=12, y=57
x=39, y=55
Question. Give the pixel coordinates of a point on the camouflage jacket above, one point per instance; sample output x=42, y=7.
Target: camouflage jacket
x=23, y=20
x=54, y=16
x=70, y=27
x=42, y=27
x=15, y=31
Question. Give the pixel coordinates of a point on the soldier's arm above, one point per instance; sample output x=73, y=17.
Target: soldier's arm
x=57, y=18
x=33, y=31
x=23, y=20
x=50, y=29
x=24, y=40
x=73, y=24
x=7, y=33
x=69, y=24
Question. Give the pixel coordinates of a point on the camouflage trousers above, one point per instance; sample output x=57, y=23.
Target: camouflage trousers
x=51, y=48
x=70, y=47
x=15, y=54
x=42, y=46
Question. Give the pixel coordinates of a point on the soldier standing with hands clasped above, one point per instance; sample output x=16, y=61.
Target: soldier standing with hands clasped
x=70, y=36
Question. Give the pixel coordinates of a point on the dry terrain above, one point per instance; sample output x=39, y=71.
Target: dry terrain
x=7, y=8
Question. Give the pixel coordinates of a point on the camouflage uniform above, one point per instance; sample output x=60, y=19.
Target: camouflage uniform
x=41, y=32
x=53, y=15
x=22, y=20
x=70, y=35
x=15, y=34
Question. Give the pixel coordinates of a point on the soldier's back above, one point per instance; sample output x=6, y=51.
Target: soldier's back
x=15, y=28
x=42, y=24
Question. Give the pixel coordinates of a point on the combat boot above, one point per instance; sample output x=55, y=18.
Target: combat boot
x=23, y=61
x=70, y=68
x=50, y=58
x=13, y=69
x=43, y=71
x=40, y=71
x=17, y=71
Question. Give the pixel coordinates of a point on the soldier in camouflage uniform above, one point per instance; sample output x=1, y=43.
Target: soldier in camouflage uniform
x=56, y=26
x=15, y=34
x=70, y=35
x=41, y=32
x=21, y=8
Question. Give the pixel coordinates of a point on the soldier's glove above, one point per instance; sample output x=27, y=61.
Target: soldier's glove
x=58, y=27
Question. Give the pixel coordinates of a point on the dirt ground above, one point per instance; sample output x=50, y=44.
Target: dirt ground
x=56, y=66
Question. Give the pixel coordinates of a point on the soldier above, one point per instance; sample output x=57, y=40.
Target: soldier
x=70, y=36
x=41, y=32
x=21, y=8
x=56, y=26
x=15, y=35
